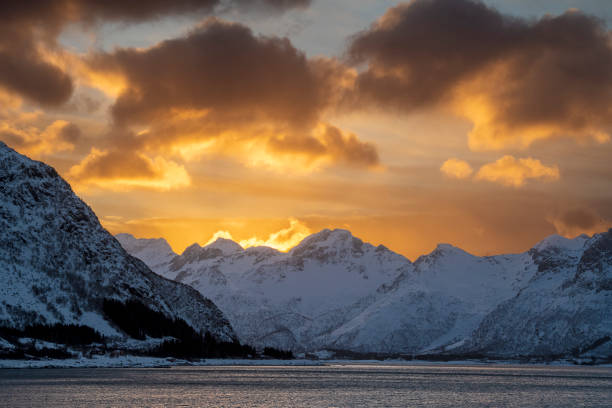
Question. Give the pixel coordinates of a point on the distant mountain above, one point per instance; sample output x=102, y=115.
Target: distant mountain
x=157, y=252
x=287, y=300
x=60, y=267
x=333, y=291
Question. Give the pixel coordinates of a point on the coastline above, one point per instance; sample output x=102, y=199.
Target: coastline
x=156, y=362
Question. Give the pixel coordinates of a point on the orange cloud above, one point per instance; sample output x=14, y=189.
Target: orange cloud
x=282, y=240
x=496, y=127
x=254, y=98
x=455, y=168
x=116, y=170
x=219, y=234
x=509, y=171
x=24, y=132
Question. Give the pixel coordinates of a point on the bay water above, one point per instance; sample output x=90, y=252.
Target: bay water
x=311, y=386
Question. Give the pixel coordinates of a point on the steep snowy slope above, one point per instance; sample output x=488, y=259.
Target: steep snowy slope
x=436, y=305
x=58, y=265
x=565, y=308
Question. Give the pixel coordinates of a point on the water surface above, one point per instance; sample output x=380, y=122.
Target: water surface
x=324, y=386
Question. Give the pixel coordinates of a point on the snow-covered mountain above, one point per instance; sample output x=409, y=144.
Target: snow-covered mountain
x=157, y=252
x=334, y=291
x=565, y=307
x=58, y=265
x=287, y=300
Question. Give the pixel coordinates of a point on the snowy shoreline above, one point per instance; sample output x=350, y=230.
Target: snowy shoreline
x=154, y=362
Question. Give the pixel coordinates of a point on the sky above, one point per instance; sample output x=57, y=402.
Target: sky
x=485, y=125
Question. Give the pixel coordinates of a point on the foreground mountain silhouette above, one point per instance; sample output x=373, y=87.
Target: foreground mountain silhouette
x=335, y=292
x=64, y=276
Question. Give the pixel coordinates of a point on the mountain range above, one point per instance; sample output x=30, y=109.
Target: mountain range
x=65, y=278
x=335, y=292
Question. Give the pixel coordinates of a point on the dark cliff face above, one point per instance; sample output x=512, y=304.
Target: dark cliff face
x=595, y=266
x=58, y=264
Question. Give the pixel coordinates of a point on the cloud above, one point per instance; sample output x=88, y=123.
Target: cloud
x=455, y=168
x=282, y=240
x=517, y=80
x=223, y=89
x=513, y=172
x=28, y=134
x=118, y=170
x=223, y=68
x=578, y=221
x=25, y=74
x=26, y=25
x=328, y=143
x=219, y=234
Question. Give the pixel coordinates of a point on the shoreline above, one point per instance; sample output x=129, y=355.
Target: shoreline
x=156, y=362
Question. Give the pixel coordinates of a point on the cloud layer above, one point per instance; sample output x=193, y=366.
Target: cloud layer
x=517, y=80
x=223, y=90
x=31, y=25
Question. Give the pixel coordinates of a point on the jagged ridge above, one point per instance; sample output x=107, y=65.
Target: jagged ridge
x=335, y=291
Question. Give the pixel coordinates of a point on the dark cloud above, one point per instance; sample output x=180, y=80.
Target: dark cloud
x=546, y=76
x=70, y=133
x=29, y=24
x=349, y=149
x=580, y=218
x=222, y=78
x=578, y=221
x=344, y=148
x=418, y=51
x=222, y=67
x=13, y=139
x=24, y=72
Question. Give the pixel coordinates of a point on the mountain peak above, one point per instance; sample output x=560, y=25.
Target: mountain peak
x=327, y=238
x=134, y=245
x=442, y=251
x=192, y=249
x=560, y=242
x=447, y=249
x=226, y=246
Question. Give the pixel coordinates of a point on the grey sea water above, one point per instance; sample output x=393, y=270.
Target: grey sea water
x=325, y=386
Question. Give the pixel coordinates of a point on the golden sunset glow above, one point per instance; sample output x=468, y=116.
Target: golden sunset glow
x=282, y=240
x=489, y=131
